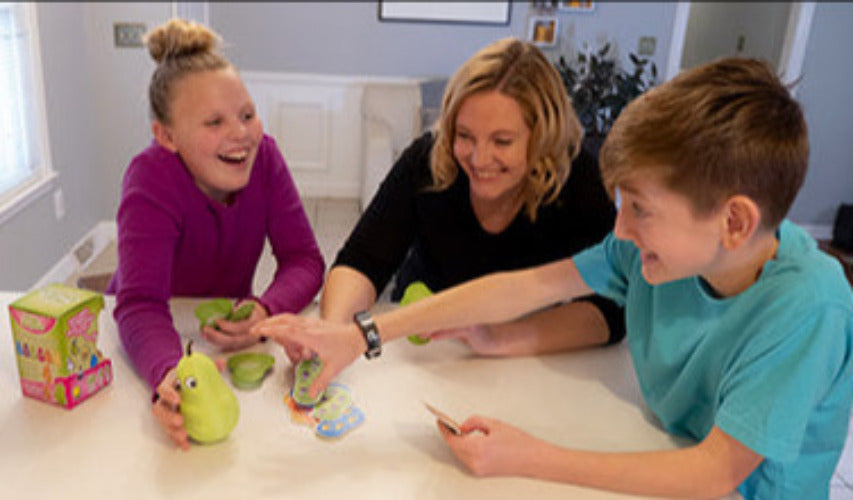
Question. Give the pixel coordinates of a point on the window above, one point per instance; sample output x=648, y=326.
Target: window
x=25, y=168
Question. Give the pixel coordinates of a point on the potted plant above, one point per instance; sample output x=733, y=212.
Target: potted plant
x=600, y=88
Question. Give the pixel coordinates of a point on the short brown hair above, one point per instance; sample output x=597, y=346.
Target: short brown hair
x=724, y=128
x=518, y=70
x=180, y=48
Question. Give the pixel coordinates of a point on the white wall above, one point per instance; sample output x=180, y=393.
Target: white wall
x=714, y=27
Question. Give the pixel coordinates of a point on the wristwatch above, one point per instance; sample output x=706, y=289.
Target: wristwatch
x=371, y=335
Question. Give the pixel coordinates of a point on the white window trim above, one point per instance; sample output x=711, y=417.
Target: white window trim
x=43, y=177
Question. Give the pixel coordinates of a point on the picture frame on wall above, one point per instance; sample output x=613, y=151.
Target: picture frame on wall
x=543, y=31
x=492, y=12
x=576, y=6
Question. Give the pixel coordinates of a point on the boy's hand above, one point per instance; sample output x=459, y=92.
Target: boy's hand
x=336, y=344
x=234, y=335
x=166, y=409
x=478, y=337
x=489, y=447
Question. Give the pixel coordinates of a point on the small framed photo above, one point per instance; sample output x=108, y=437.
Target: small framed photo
x=577, y=6
x=543, y=31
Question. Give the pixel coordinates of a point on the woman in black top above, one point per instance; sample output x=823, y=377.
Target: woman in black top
x=487, y=190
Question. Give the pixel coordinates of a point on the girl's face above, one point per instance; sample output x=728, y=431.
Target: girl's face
x=215, y=130
x=490, y=145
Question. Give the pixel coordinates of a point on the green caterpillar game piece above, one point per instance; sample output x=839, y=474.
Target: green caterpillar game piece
x=209, y=311
x=336, y=400
x=305, y=373
x=416, y=291
x=249, y=369
x=242, y=313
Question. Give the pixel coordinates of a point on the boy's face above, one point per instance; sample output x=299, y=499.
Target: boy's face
x=674, y=243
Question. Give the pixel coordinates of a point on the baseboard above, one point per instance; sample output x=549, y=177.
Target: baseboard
x=81, y=254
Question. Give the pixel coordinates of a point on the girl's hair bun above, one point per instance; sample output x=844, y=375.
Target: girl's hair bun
x=180, y=38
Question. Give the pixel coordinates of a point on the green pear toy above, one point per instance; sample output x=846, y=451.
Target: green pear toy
x=208, y=405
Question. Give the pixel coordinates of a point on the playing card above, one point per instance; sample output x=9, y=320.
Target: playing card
x=446, y=421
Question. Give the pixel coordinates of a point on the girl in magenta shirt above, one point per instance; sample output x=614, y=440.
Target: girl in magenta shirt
x=196, y=207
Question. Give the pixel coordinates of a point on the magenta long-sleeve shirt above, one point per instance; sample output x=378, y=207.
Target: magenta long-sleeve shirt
x=173, y=240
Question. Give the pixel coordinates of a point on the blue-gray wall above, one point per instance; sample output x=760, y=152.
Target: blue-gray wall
x=826, y=98
x=348, y=38
x=97, y=107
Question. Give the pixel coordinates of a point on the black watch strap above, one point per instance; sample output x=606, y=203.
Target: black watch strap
x=371, y=335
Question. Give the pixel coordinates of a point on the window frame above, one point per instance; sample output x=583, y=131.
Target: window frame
x=43, y=176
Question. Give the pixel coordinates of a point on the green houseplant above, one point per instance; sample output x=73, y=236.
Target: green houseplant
x=600, y=88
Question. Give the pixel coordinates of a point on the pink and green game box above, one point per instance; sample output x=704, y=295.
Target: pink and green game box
x=55, y=329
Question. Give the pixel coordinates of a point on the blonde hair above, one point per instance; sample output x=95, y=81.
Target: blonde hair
x=725, y=128
x=180, y=48
x=518, y=70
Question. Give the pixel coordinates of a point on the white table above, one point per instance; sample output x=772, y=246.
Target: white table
x=110, y=445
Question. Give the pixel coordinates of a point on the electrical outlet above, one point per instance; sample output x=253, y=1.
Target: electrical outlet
x=83, y=252
x=59, y=204
x=646, y=45
x=128, y=34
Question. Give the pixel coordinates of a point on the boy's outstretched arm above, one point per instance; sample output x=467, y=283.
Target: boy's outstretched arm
x=713, y=468
x=494, y=298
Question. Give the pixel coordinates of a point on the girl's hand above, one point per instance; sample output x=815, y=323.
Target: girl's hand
x=166, y=409
x=336, y=344
x=489, y=447
x=231, y=335
x=479, y=338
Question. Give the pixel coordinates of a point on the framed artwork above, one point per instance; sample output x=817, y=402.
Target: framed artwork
x=445, y=12
x=543, y=31
x=576, y=6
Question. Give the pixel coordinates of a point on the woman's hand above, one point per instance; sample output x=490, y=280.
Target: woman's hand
x=336, y=344
x=234, y=335
x=166, y=409
x=489, y=447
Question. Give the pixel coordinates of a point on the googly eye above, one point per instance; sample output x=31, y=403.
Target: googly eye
x=191, y=383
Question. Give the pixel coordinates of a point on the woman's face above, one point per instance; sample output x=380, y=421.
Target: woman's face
x=490, y=145
x=214, y=129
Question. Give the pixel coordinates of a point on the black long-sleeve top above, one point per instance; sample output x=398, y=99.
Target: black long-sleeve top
x=434, y=236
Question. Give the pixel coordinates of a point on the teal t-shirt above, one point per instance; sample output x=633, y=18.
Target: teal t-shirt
x=772, y=366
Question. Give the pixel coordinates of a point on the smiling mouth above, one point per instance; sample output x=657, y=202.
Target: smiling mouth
x=486, y=174
x=234, y=158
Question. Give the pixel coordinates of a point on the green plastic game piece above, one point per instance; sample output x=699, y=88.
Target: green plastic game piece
x=416, y=291
x=209, y=311
x=242, y=313
x=336, y=400
x=305, y=373
x=249, y=369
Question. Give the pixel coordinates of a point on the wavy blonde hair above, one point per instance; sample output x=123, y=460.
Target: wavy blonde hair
x=724, y=128
x=518, y=70
x=180, y=48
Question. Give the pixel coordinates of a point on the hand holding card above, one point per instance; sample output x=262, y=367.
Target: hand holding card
x=446, y=421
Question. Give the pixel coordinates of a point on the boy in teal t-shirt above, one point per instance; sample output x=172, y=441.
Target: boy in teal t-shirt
x=770, y=366
x=740, y=329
